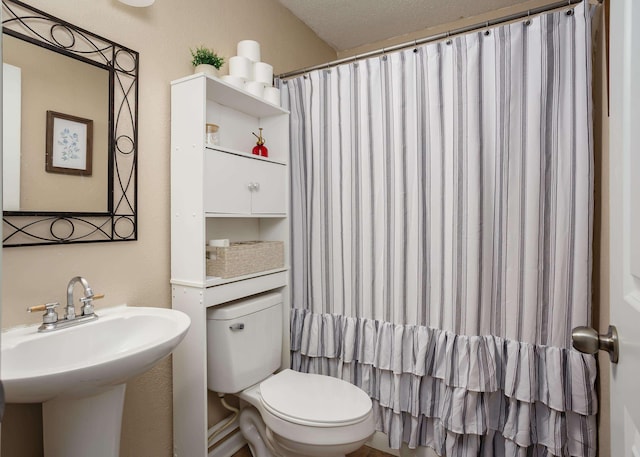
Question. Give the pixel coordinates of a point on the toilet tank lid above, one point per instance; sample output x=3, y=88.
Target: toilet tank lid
x=314, y=399
x=243, y=307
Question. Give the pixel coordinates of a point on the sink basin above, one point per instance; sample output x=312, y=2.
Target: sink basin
x=79, y=373
x=81, y=360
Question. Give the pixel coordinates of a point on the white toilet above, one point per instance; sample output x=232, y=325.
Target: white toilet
x=289, y=413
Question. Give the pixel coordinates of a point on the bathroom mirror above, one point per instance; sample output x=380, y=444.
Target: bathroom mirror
x=70, y=132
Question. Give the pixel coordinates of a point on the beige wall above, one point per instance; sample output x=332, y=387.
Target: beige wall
x=137, y=273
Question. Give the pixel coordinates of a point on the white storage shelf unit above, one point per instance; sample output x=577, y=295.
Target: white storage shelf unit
x=213, y=181
x=219, y=191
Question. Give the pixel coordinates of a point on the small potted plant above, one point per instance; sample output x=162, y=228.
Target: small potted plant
x=206, y=61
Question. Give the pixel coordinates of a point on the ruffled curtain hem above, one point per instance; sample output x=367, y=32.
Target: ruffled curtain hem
x=463, y=396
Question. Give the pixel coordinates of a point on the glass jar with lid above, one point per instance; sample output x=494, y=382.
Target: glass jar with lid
x=213, y=134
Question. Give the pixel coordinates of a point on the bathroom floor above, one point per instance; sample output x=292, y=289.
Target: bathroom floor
x=364, y=451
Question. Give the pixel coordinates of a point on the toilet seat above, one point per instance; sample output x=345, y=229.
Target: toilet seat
x=314, y=400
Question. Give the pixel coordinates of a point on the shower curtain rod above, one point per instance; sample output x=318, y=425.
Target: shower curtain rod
x=437, y=37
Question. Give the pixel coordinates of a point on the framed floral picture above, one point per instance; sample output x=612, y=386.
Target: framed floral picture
x=69, y=144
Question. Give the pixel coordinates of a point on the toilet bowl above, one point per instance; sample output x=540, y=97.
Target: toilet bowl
x=287, y=414
x=311, y=415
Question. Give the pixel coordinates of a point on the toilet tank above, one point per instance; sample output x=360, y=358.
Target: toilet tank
x=244, y=342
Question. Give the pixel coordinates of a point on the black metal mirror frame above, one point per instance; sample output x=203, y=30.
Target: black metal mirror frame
x=119, y=222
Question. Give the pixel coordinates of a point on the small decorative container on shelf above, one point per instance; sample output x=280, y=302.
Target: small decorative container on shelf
x=207, y=69
x=244, y=257
x=213, y=134
x=260, y=149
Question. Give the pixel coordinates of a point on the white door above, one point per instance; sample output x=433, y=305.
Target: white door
x=625, y=224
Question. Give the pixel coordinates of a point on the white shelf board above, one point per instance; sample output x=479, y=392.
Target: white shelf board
x=251, y=215
x=213, y=281
x=240, y=100
x=224, y=293
x=217, y=147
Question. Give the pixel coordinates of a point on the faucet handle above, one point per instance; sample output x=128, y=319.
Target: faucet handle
x=88, y=299
x=43, y=307
x=50, y=315
x=87, y=304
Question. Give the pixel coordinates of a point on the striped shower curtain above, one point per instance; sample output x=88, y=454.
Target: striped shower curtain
x=441, y=237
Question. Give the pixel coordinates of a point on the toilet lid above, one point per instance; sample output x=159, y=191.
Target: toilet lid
x=314, y=399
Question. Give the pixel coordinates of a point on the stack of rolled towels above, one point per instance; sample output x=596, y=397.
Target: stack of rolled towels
x=247, y=72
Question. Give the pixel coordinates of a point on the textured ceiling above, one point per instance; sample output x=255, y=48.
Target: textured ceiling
x=346, y=24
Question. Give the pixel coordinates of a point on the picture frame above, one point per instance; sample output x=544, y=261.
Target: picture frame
x=69, y=145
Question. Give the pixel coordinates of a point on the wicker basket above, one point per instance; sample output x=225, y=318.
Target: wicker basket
x=245, y=257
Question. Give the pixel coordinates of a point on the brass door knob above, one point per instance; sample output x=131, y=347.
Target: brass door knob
x=587, y=340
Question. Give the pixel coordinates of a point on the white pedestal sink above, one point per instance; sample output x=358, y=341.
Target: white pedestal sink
x=79, y=373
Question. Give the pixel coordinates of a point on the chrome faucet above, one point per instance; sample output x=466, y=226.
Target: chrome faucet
x=87, y=300
x=50, y=319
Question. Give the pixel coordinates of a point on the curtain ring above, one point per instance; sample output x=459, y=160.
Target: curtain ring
x=415, y=46
x=384, y=54
x=528, y=21
x=449, y=41
x=570, y=12
x=487, y=32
